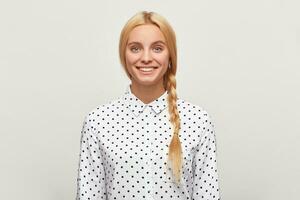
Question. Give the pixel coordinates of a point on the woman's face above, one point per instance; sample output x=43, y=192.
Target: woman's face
x=147, y=56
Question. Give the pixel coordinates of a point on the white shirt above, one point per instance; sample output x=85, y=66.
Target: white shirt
x=124, y=146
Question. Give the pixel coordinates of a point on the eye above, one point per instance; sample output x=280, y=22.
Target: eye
x=134, y=49
x=158, y=49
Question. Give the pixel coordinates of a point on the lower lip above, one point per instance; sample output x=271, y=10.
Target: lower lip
x=146, y=72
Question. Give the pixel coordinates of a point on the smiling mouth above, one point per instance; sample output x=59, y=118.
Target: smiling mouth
x=146, y=69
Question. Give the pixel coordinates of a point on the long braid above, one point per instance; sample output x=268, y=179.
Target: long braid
x=175, y=150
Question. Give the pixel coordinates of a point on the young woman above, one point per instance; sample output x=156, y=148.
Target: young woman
x=148, y=143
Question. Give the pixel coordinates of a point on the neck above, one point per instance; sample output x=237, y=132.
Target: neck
x=147, y=93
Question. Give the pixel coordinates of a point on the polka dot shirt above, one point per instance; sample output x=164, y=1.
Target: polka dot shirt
x=124, y=148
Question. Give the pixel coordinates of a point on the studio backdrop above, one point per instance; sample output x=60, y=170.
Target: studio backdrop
x=239, y=60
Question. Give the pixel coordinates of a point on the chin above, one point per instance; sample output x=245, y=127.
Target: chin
x=146, y=82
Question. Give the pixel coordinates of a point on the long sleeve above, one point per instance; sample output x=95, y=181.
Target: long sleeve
x=205, y=181
x=91, y=174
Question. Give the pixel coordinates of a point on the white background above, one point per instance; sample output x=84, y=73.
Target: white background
x=237, y=59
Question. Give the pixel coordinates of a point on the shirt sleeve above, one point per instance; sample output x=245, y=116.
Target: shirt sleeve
x=205, y=180
x=91, y=174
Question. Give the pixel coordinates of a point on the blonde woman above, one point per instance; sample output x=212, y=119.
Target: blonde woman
x=148, y=143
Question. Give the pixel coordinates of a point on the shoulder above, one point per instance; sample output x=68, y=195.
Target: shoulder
x=190, y=108
x=101, y=110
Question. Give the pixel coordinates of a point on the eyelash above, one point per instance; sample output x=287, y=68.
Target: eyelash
x=154, y=48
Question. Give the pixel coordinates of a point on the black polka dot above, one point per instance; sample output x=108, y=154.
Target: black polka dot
x=124, y=148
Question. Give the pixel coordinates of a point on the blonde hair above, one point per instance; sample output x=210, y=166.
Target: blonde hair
x=141, y=18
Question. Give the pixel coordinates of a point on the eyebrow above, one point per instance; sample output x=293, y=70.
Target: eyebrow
x=159, y=41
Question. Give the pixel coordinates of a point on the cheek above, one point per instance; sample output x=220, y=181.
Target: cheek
x=131, y=58
x=163, y=59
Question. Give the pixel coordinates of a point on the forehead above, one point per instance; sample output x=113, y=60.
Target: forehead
x=147, y=33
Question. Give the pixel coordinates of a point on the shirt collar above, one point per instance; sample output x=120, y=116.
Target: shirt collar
x=135, y=105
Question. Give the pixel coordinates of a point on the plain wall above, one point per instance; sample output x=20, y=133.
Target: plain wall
x=237, y=59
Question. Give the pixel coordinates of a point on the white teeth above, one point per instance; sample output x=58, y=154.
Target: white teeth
x=146, y=69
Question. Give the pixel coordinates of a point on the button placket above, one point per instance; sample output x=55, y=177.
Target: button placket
x=148, y=169
x=149, y=140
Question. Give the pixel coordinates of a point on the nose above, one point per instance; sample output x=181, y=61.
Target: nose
x=146, y=57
